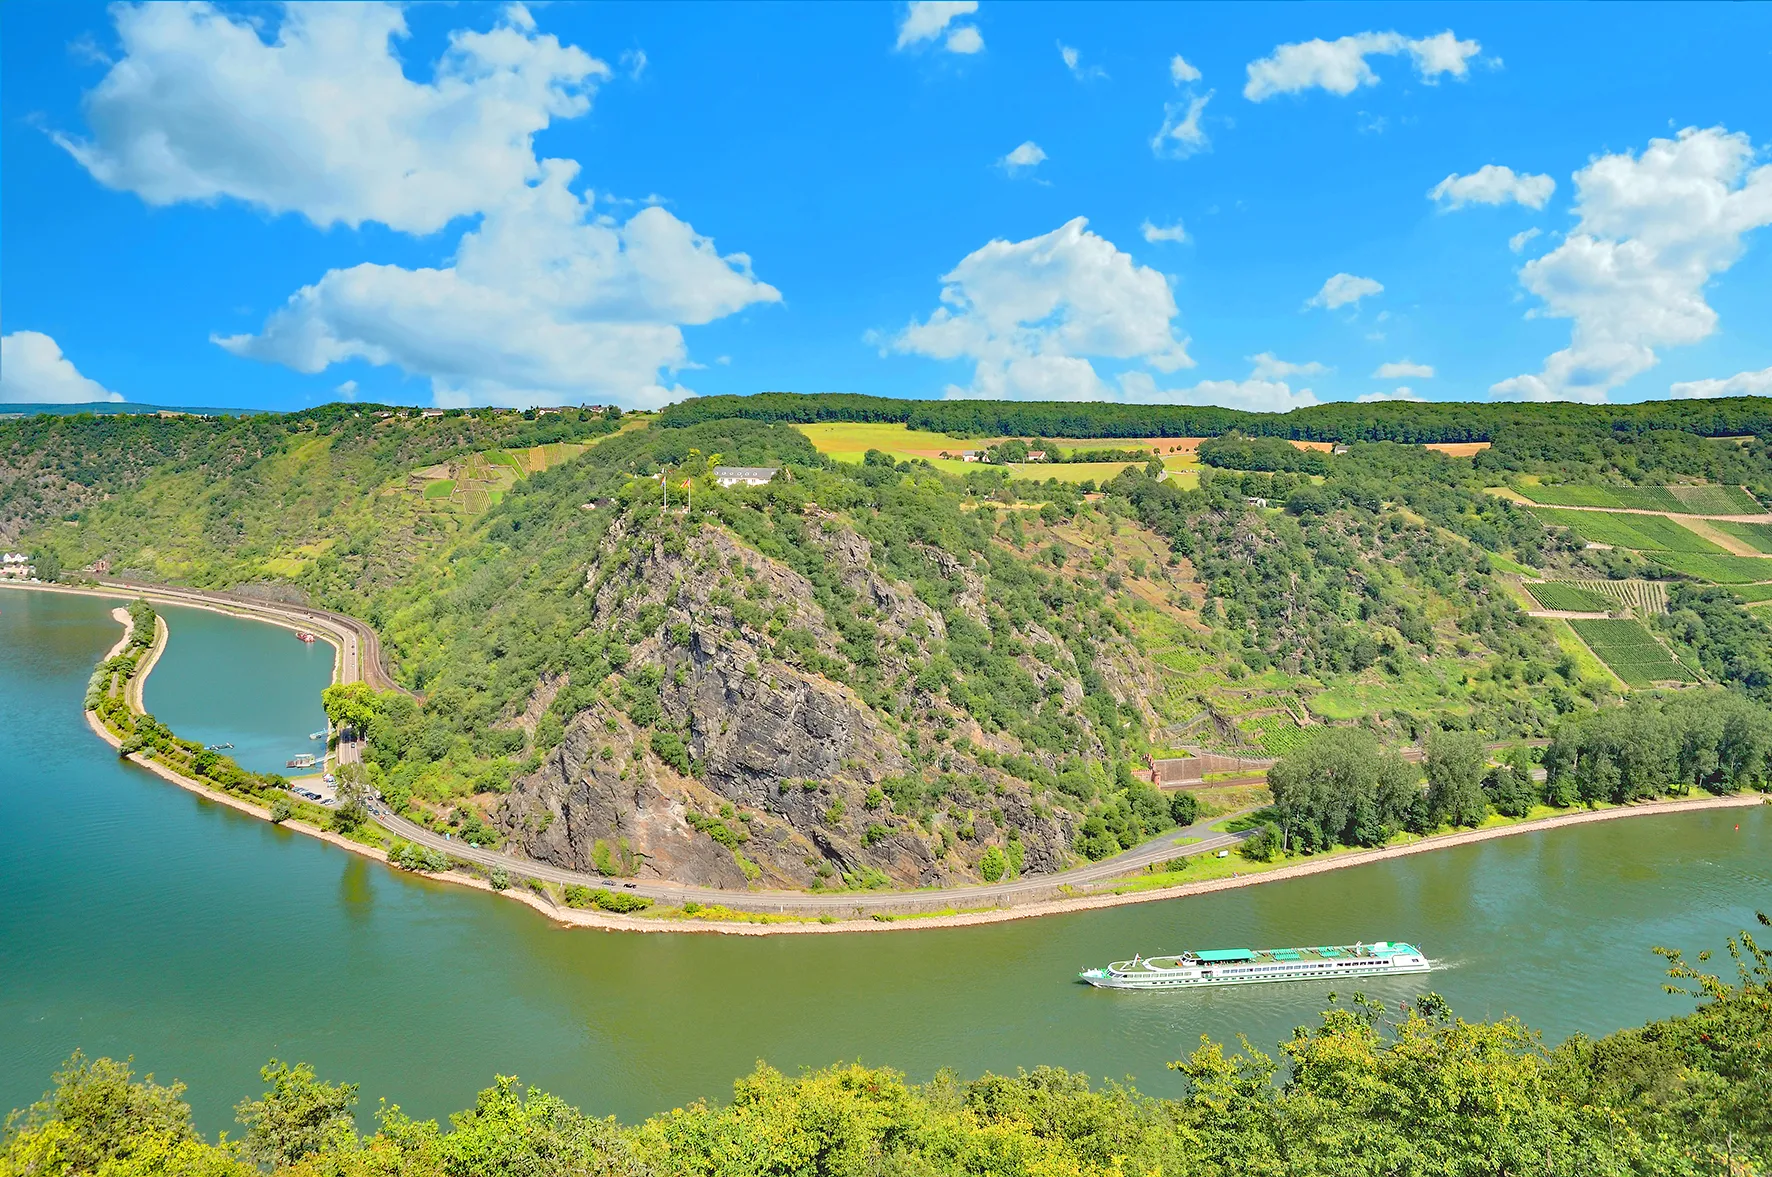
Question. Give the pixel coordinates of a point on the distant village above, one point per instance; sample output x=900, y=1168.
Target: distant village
x=17, y=566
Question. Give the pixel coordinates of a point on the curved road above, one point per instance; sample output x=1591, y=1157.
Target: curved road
x=1023, y=890
x=360, y=657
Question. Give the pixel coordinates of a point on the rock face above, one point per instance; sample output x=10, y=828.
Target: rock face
x=791, y=775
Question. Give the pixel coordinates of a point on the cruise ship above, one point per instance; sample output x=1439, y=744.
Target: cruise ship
x=1245, y=966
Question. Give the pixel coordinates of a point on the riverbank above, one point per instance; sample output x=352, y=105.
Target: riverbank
x=839, y=912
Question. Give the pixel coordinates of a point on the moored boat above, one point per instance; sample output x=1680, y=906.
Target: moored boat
x=1243, y=966
x=302, y=635
x=305, y=760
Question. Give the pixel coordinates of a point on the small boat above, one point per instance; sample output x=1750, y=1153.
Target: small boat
x=220, y=747
x=319, y=735
x=302, y=635
x=1243, y=966
x=305, y=760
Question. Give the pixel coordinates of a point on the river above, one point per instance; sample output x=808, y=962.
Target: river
x=139, y=919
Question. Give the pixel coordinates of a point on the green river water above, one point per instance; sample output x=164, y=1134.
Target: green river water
x=138, y=919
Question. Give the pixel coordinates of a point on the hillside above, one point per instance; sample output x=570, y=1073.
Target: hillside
x=903, y=672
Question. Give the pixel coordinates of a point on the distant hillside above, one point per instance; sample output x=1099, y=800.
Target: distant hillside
x=1342, y=421
x=884, y=672
x=105, y=408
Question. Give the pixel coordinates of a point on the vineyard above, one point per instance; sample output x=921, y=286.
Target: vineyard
x=1652, y=533
x=1644, y=596
x=1632, y=652
x=1276, y=735
x=1758, y=536
x=1753, y=592
x=1681, y=500
x=1718, y=569
x=1569, y=598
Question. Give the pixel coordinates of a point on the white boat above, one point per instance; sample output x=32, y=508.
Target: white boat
x=1244, y=966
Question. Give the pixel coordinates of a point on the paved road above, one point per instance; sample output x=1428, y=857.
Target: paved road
x=360, y=652
x=1022, y=890
x=360, y=657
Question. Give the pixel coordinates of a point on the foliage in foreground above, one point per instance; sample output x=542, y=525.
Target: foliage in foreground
x=1418, y=1093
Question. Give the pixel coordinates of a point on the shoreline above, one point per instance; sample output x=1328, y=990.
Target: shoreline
x=590, y=918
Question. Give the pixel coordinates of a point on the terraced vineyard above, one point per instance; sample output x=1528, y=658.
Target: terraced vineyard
x=1719, y=569
x=1644, y=596
x=1648, y=533
x=1569, y=598
x=1681, y=500
x=1753, y=592
x=1276, y=735
x=1632, y=652
x=1757, y=536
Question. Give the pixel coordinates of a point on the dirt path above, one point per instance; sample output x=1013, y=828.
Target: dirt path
x=1721, y=538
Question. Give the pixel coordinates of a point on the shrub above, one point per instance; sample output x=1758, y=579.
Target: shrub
x=499, y=878
x=992, y=865
x=1262, y=845
x=670, y=749
x=604, y=900
x=281, y=810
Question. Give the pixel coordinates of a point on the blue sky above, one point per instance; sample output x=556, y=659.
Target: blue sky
x=1260, y=206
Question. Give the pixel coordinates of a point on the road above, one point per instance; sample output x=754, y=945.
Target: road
x=360, y=657
x=1027, y=889
x=360, y=652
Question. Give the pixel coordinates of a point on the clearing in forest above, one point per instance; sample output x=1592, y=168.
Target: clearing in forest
x=1632, y=652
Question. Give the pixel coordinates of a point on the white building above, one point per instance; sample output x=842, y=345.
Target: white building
x=745, y=475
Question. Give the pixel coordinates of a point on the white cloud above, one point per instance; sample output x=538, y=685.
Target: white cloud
x=1268, y=367
x=1403, y=393
x=1342, y=289
x=1403, y=370
x=34, y=371
x=1073, y=61
x=348, y=390
x=1253, y=395
x=633, y=63
x=1741, y=384
x=1030, y=315
x=1518, y=241
x=1653, y=230
x=546, y=300
x=1181, y=135
x=1493, y=184
x=1180, y=71
x=1155, y=233
x=927, y=20
x=321, y=119
x=1023, y=158
x=965, y=39
x=1340, y=66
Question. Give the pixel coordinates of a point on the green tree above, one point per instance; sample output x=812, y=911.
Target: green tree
x=352, y=791
x=299, y=1116
x=351, y=705
x=1455, y=765
x=993, y=864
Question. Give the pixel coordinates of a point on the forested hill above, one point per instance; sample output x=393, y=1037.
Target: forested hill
x=1391, y=421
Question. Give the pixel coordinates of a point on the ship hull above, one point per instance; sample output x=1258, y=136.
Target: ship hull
x=1245, y=966
x=1157, y=980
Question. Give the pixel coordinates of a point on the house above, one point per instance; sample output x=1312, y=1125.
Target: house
x=16, y=566
x=99, y=567
x=430, y=412
x=1256, y=501
x=745, y=475
x=1036, y=455
x=972, y=456
x=1340, y=449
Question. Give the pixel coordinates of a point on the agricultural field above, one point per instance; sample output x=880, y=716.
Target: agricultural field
x=1644, y=596
x=1275, y=735
x=1646, y=533
x=1757, y=536
x=1681, y=500
x=1570, y=598
x=471, y=484
x=1632, y=652
x=1719, y=569
x=1753, y=593
x=849, y=441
